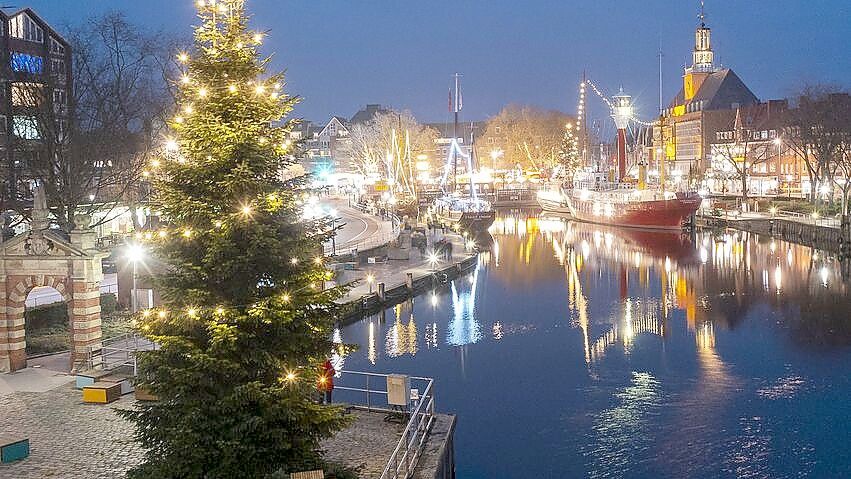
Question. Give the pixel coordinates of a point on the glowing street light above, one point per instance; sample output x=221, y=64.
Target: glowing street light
x=135, y=254
x=433, y=260
x=370, y=279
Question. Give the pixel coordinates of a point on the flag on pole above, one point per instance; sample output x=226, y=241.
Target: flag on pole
x=450, y=100
x=460, y=101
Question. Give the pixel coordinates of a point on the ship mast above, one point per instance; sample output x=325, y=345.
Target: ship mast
x=456, y=109
x=661, y=151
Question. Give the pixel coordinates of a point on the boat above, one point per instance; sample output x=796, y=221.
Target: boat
x=591, y=197
x=623, y=205
x=473, y=214
x=457, y=209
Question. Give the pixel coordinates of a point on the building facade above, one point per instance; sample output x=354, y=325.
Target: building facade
x=35, y=98
x=705, y=104
x=326, y=147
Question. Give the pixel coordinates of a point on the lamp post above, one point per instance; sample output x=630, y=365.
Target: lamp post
x=370, y=279
x=779, y=142
x=135, y=254
x=495, y=154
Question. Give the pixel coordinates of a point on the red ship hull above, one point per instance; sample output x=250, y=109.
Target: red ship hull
x=668, y=214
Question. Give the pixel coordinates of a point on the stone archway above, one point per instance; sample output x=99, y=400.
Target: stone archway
x=72, y=266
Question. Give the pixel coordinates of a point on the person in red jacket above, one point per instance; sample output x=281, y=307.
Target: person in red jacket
x=326, y=381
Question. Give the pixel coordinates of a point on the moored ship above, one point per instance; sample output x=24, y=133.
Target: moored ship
x=592, y=198
x=455, y=208
x=619, y=206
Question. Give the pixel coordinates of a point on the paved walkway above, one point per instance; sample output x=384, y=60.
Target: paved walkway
x=360, y=230
x=69, y=438
x=394, y=272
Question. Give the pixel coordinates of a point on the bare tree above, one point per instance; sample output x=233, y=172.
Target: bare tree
x=89, y=143
x=387, y=146
x=816, y=130
x=738, y=157
x=528, y=136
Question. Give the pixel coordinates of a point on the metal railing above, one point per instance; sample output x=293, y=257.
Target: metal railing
x=370, y=242
x=403, y=461
x=118, y=351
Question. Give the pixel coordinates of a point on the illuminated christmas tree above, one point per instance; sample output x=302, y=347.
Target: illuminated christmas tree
x=569, y=152
x=246, y=325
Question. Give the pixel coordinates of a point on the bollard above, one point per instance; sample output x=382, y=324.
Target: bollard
x=409, y=280
x=381, y=291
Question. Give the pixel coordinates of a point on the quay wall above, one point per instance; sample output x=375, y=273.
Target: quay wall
x=391, y=295
x=816, y=236
x=438, y=456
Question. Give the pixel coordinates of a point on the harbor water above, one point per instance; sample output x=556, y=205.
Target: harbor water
x=576, y=350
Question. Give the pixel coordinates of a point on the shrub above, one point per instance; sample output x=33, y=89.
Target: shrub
x=47, y=316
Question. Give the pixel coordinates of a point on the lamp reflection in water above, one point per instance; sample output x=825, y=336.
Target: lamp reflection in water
x=402, y=338
x=372, y=354
x=463, y=328
x=338, y=361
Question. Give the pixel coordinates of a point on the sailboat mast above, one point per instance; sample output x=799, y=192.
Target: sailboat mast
x=455, y=131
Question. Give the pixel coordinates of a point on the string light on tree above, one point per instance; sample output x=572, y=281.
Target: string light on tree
x=226, y=289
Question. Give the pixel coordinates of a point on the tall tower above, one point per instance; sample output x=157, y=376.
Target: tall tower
x=622, y=114
x=703, y=58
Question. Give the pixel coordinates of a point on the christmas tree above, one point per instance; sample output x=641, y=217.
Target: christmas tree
x=569, y=152
x=247, y=323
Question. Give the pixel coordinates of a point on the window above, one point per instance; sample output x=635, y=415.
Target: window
x=24, y=62
x=56, y=48
x=25, y=127
x=22, y=26
x=59, y=97
x=57, y=66
x=27, y=94
x=62, y=130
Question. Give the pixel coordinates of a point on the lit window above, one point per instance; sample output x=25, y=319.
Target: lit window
x=24, y=27
x=59, y=97
x=25, y=127
x=24, y=62
x=27, y=94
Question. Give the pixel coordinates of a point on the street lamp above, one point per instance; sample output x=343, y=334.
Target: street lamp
x=370, y=279
x=433, y=260
x=495, y=154
x=135, y=254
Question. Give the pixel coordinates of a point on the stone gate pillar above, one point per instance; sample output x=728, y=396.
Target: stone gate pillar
x=84, y=316
x=13, y=354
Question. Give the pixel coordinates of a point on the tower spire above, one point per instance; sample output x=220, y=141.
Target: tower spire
x=702, y=55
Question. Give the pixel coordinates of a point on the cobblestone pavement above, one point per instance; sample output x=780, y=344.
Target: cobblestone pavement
x=369, y=442
x=68, y=439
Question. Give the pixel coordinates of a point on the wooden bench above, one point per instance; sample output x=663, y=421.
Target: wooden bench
x=102, y=393
x=13, y=449
x=142, y=394
x=124, y=381
x=318, y=474
x=87, y=378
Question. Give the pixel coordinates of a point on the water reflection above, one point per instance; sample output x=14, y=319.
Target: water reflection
x=463, y=328
x=642, y=341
